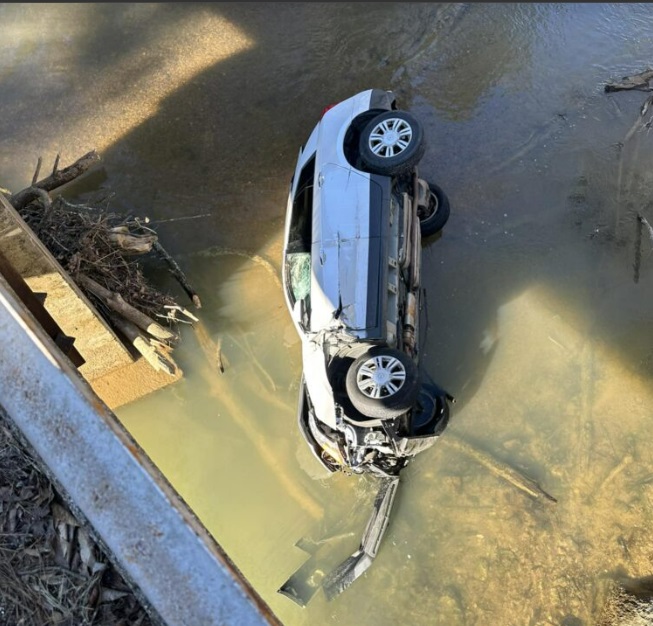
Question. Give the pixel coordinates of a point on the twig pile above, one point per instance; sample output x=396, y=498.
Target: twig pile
x=88, y=241
x=98, y=249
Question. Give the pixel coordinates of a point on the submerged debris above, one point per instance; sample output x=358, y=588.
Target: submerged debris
x=642, y=82
x=499, y=468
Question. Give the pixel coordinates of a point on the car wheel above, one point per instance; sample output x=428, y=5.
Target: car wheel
x=391, y=143
x=383, y=383
x=437, y=213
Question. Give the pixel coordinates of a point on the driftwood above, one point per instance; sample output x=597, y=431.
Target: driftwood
x=271, y=455
x=499, y=468
x=640, y=122
x=117, y=303
x=129, y=243
x=94, y=247
x=178, y=274
x=57, y=179
x=641, y=82
x=144, y=346
x=33, y=193
x=171, y=315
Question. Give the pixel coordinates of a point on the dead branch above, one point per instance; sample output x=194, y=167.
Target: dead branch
x=144, y=347
x=212, y=350
x=36, y=171
x=58, y=178
x=178, y=274
x=36, y=193
x=499, y=468
x=117, y=303
x=130, y=243
x=183, y=311
x=55, y=167
x=272, y=456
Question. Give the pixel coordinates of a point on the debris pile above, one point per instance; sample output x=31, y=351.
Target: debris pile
x=99, y=250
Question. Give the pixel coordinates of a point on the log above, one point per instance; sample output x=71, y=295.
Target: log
x=641, y=82
x=35, y=193
x=132, y=244
x=117, y=304
x=248, y=422
x=178, y=274
x=212, y=349
x=499, y=468
x=143, y=345
x=58, y=178
x=640, y=122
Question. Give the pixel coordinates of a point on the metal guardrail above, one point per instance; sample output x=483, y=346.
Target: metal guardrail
x=151, y=536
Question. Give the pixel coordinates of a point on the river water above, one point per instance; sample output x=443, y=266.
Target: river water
x=539, y=305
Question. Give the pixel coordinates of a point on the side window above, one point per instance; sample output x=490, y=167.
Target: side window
x=301, y=220
x=298, y=257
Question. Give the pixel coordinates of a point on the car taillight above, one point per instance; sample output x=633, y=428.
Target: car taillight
x=326, y=108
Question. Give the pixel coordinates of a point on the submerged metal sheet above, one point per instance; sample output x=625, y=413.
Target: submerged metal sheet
x=153, y=538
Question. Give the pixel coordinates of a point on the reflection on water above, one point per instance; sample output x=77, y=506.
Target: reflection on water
x=536, y=323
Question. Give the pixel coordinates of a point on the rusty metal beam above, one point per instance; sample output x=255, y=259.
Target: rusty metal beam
x=153, y=539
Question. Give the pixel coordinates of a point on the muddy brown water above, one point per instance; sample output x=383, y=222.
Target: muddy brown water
x=539, y=323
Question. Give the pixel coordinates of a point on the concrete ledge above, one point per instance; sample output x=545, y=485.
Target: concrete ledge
x=152, y=537
x=95, y=340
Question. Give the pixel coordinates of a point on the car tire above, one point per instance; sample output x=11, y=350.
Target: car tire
x=391, y=144
x=391, y=392
x=437, y=214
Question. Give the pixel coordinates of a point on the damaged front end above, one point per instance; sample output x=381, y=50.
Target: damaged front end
x=372, y=446
x=381, y=447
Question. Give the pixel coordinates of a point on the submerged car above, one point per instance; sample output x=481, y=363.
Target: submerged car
x=357, y=212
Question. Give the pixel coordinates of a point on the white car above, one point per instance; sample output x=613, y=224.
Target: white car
x=357, y=211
